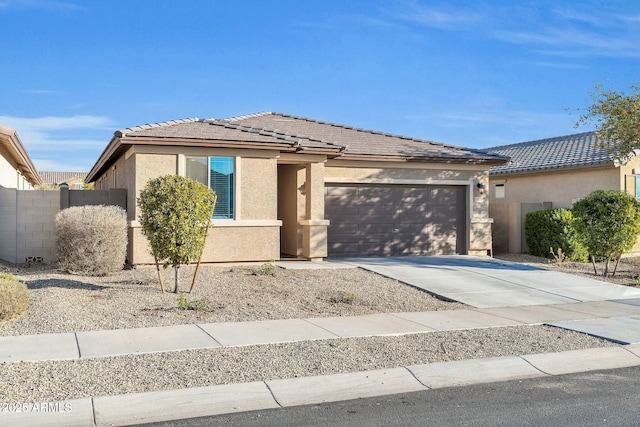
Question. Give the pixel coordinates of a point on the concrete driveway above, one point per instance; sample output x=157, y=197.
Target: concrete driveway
x=487, y=282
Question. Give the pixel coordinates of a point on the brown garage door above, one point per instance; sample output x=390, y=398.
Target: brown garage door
x=395, y=220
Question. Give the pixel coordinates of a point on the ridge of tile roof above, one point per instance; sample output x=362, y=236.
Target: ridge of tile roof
x=362, y=141
x=125, y=131
x=581, y=149
x=50, y=177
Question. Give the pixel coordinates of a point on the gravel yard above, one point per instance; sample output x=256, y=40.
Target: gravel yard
x=60, y=302
x=50, y=381
x=628, y=272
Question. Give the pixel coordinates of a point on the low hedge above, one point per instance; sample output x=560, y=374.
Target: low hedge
x=553, y=229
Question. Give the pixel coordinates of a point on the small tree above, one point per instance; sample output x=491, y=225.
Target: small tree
x=175, y=213
x=616, y=116
x=607, y=223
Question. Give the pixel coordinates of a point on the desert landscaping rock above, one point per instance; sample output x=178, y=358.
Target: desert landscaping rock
x=59, y=302
x=63, y=303
x=50, y=381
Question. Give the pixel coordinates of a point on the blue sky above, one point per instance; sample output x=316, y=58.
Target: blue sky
x=469, y=73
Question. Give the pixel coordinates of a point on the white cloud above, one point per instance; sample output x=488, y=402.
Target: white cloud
x=46, y=5
x=57, y=166
x=39, y=91
x=439, y=18
x=62, y=143
x=56, y=122
x=573, y=42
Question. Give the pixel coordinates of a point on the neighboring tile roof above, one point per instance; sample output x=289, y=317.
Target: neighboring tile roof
x=564, y=151
x=302, y=133
x=60, y=177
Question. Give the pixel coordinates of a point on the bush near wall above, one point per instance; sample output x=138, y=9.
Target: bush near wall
x=91, y=240
x=553, y=228
x=14, y=297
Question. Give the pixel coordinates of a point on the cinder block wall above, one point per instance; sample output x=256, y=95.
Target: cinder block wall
x=27, y=225
x=8, y=218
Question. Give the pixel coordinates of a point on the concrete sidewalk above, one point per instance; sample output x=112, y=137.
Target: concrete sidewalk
x=118, y=342
x=516, y=292
x=222, y=399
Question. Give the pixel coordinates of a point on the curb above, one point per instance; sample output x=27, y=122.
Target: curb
x=169, y=405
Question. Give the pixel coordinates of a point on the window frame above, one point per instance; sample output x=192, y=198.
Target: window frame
x=234, y=196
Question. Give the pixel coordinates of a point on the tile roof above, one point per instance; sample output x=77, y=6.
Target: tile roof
x=580, y=149
x=59, y=177
x=306, y=134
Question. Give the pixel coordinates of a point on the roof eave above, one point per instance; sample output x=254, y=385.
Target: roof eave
x=21, y=160
x=114, y=148
x=528, y=171
x=490, y=161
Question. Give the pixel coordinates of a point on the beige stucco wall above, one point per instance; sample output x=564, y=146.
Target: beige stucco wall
x=258, y=188
x=224, y=244
x=254, y=235
x=561, y=188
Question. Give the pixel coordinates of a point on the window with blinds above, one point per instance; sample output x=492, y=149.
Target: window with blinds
x=218, y=174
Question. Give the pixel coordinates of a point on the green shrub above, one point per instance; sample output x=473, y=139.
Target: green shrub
x=175, y=212
x=196, y=305
x=91, y=240
x=607, y=223
x=268, y=269
x=552, y=230
x=14, y=297
x=349, y=297
x=344, y=298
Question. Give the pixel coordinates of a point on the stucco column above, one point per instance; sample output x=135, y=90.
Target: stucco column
x=314, y=226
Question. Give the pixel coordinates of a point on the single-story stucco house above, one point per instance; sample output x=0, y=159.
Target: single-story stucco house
x=16, y=168
x=551, y=173
x=289, y=186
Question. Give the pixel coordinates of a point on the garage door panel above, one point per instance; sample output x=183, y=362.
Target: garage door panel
x=373, y=219
x=345, y=249
x=445, y=196
x=376, y=211
x=412, y=229
x=382, y=227
x=413, y=220
x=373, y=195
x=443, y=247
x=340, y=193
x=343, y=210
x=375, y=249
x=397, y=220
x=340, y=228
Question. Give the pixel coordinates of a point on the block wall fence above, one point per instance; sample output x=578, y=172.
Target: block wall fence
x=27, y=220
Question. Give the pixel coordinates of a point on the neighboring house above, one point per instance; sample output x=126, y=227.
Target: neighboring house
x=16, y=169
x=70, y=180
x=294, y=187
x=551, y=173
